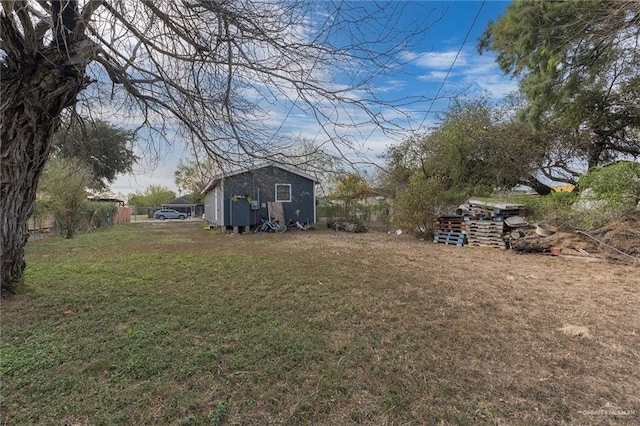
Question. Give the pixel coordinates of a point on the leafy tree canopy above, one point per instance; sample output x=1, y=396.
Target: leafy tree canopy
x=105, y=148
x=154, y=196
x=579, y=65
x=618, y=185
x=475, y=149
x=192, y=177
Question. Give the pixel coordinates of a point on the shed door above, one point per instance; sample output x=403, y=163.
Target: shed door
x=239, y=211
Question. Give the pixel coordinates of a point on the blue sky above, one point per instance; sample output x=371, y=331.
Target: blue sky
x=443, y=65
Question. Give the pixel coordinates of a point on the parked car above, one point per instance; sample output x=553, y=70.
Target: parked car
x=163, y=214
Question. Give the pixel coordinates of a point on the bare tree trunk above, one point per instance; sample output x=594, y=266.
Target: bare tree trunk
x=536, y=185
x=32, y=99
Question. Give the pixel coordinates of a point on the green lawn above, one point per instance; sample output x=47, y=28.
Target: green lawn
x=168, y=323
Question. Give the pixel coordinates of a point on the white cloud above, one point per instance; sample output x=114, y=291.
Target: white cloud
x=434, y=76
x=439, y=60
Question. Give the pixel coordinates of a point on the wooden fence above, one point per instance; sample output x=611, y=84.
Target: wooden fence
x=123, y=215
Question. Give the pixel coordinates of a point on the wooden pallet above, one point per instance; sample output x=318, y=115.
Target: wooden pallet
x=451, y=231
x=450, y=222
x=449, y=240
x=485, y=231
x=485, y=224
x=451, y=225
x=451, y=243
x=485, y=240
x=452, y=237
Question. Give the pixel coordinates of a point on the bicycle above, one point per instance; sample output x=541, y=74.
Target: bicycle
x=269, y=226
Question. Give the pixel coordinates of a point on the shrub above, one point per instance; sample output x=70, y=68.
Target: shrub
x=555, y=208
x=614, y=188
x=418, y=205
x=98, y=214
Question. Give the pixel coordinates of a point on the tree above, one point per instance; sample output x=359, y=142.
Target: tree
x=474, y=150
x=105, y=148
x=313, y=158
x=614, y=188
x=193, y=177
x=350, y=189
x=209, y=71
x=154, y=196
x=63, y=190
x=580, y=65
x=420, y=202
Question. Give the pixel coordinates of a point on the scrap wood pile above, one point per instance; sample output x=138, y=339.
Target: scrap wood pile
x=496, y=211
x=502, y=225
x=619, y=240
x=545, y=238
x=347, y=226
x=479, y=223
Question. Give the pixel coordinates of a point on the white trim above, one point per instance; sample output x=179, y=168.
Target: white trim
x=315, y=213
x=275, y=195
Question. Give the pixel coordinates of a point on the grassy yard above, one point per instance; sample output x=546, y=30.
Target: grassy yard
x=167, y=323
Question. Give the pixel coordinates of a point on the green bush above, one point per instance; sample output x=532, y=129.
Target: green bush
x=615, y=187
x=555, y=208
x=98, y=214
x=605, y=194
x=418, y=205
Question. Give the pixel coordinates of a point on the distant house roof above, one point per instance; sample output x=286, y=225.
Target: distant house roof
x=289, y=169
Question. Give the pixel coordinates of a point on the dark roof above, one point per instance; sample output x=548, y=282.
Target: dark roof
x=289, y=169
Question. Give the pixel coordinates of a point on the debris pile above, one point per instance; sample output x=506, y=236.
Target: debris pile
x=347, y=226
x=619, y=240
x=503, y=225
x=479, y=223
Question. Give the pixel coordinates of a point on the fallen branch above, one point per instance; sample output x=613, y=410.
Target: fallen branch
x=605, y=244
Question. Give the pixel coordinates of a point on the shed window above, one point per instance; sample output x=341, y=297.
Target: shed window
x=283, y=192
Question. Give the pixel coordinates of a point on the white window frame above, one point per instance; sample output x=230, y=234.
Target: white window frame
x=276, y=193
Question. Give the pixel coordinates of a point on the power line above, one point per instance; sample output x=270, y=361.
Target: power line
x=453, y=63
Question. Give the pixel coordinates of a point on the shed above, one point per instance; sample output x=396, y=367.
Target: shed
x=184, y=206
x=239, y=199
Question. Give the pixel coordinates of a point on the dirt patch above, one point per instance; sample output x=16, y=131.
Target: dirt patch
x=575, y=331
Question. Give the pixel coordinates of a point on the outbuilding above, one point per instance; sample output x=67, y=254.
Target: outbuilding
x=185, y=206
x=238, y=200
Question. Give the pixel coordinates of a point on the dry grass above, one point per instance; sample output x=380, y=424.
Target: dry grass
x=316, y=328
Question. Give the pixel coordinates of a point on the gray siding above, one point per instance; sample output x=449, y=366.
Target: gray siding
x=259, y=186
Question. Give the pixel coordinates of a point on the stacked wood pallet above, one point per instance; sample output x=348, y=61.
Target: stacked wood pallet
x=486, y=233
x=493, y=211
x=451, y=230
